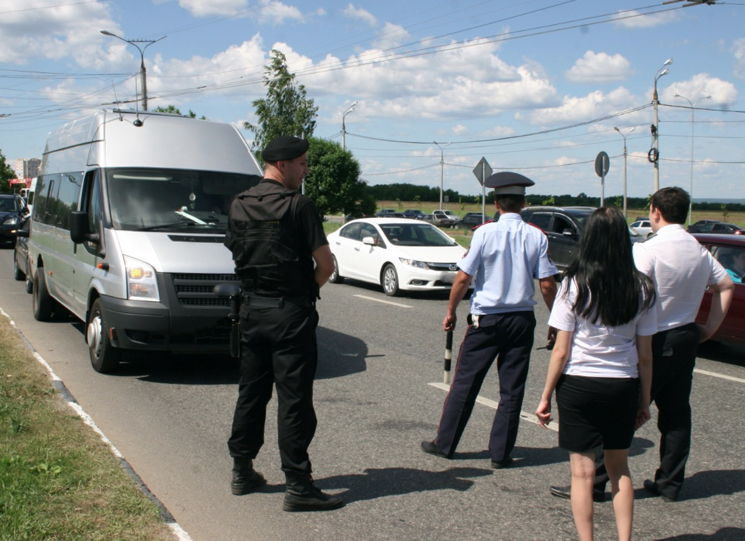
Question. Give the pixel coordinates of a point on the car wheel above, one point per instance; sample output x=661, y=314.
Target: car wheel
x=335, y=278
x=18, y=274
x=104, y=357
x=43, y=303
x=390, y=281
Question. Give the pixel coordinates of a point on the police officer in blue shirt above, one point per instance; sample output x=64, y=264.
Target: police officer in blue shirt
x=504, y=259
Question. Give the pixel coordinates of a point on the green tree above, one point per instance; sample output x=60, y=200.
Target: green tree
x=175, y=110
x=286, y=110
x=334, y=182
x=725, y=211
x=6, y=173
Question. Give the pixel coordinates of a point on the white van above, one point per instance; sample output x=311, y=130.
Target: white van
x=128, y=227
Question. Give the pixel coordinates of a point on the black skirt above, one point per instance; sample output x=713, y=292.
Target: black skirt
x=596, y=413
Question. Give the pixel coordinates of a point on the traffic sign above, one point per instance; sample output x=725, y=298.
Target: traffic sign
x=482, y=170
x=602, y=164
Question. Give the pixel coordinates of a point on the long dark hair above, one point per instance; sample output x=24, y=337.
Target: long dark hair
x=609, y=286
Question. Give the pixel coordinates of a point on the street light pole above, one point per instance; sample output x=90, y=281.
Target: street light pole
x=343, y=126
x=143, y=72
x=624, y=166
x=655, y=129
x=693, y=110
x=442, y=167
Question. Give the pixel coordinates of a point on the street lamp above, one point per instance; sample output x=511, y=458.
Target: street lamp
x=343, y=126
x=654, y=154
x=693, y=106
x=442, y=167
x=143, y=74
x=624, y=166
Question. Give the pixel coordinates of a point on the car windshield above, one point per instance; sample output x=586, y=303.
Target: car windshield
x=7, y=204
x=416, y=235
x=172, y=199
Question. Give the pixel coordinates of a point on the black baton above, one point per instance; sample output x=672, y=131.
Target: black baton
x=448, y=355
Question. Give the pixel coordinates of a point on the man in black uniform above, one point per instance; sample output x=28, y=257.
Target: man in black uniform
x=276, y=235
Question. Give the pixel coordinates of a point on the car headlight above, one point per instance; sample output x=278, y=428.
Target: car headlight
x=413, y=263
x=12, y=220
x=141, y=282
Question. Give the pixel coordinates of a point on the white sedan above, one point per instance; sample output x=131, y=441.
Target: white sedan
x=397, y=253
x=642, y=227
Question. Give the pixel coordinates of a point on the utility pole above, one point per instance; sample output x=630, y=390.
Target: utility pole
x=343, y=126
x=654, y=154
x=442, y=167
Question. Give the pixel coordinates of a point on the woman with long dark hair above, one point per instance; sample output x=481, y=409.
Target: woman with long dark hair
x=601, y=364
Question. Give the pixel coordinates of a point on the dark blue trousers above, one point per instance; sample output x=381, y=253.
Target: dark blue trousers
x=509, y=339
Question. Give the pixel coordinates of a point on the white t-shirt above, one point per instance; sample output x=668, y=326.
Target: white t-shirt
x=598, y=351
x=681, y=269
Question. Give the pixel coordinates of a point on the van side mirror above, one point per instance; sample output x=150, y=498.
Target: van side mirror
x=79, y=231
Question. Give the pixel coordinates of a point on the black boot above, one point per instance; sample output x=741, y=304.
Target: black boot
x=245, y=478
x=303, y=495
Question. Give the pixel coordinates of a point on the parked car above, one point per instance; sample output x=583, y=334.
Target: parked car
x=720, y=228
x=415, y=214
x=562, y=226
x=472, y=219
x=699, y=225
x=382, y=213
x=642, y=227
x=447, y=217
x=12, y=212
x=401, y=254
x=20, y=256
x=729, y=250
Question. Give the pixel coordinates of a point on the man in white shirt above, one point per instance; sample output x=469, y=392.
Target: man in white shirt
x=681, y=269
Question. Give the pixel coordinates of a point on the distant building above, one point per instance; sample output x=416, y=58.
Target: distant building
x=27, y=168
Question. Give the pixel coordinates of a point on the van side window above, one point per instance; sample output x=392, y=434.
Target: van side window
x=47, y=207
x=67, y=198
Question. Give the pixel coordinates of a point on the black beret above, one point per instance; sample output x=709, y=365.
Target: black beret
x=284, y=148
x=505, y=183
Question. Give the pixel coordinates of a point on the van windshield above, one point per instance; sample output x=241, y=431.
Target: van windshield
x=172, y=199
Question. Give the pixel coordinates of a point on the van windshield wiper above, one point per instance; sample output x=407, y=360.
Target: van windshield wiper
x=179, y=224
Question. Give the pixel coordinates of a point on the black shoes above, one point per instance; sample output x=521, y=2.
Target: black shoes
x=245, y=478
x=303, y=495
x=651, y=487
x=566, y=492
x=430, y=448
x=506, y=463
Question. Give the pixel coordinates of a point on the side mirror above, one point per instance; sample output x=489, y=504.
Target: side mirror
x=568, y=233
x=79, y=231
x=369, y=241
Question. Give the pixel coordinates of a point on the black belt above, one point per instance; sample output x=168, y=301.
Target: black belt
x=258, y=301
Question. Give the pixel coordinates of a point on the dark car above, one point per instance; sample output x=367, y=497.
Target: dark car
x=385, y=213
x=12, y=211
x=415, y=214
x=562, y=226
x=720, y=228
x=472, y=219
x=701, y=224
x=729, y=250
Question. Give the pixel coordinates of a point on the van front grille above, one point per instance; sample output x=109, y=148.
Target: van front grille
x=197, y=289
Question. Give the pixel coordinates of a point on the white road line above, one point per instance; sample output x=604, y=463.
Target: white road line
x=715, y=375
x=525, y=416
x=384, y=302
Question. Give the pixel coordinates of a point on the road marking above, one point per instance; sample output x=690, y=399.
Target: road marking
x=384, y=302
x=525, y=416
x=715, y=375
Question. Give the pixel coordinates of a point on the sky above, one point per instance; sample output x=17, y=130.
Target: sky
x=425, y=89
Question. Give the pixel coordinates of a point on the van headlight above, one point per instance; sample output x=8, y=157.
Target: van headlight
x=141, y=282
x=413, y=263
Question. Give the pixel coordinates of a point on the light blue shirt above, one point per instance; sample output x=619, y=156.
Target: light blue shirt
x=503, y=259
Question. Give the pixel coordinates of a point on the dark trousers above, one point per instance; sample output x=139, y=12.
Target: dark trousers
x=278, y=348
x=509, y=339
x=674, y=358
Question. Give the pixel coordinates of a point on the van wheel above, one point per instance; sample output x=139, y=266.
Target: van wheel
x=104, y=357
x=43, y=303
x=390, y=281
x=335, y=278
x=17, y=273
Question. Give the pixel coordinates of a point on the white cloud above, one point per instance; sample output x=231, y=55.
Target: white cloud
x=391, y=36
x=277, y=13
x=265, y=11
x=598, y=68
x=576, y=109
x=635, y=19
x=723, y=93
x=738, y=51
x=459, y=129
x=200, y=8
x=359, y=13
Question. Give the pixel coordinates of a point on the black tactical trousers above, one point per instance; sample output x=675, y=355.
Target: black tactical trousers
x=278, y=347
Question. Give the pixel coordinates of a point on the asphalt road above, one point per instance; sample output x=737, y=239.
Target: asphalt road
x=379, y=358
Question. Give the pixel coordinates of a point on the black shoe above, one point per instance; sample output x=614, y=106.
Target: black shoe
x=430, y=448
x=506, y=463
x=245, y=478
x=566, y=492
x=651, y=487
x=310, y=499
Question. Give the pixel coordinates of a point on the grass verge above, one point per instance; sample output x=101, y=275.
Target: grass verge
x=58, y=480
